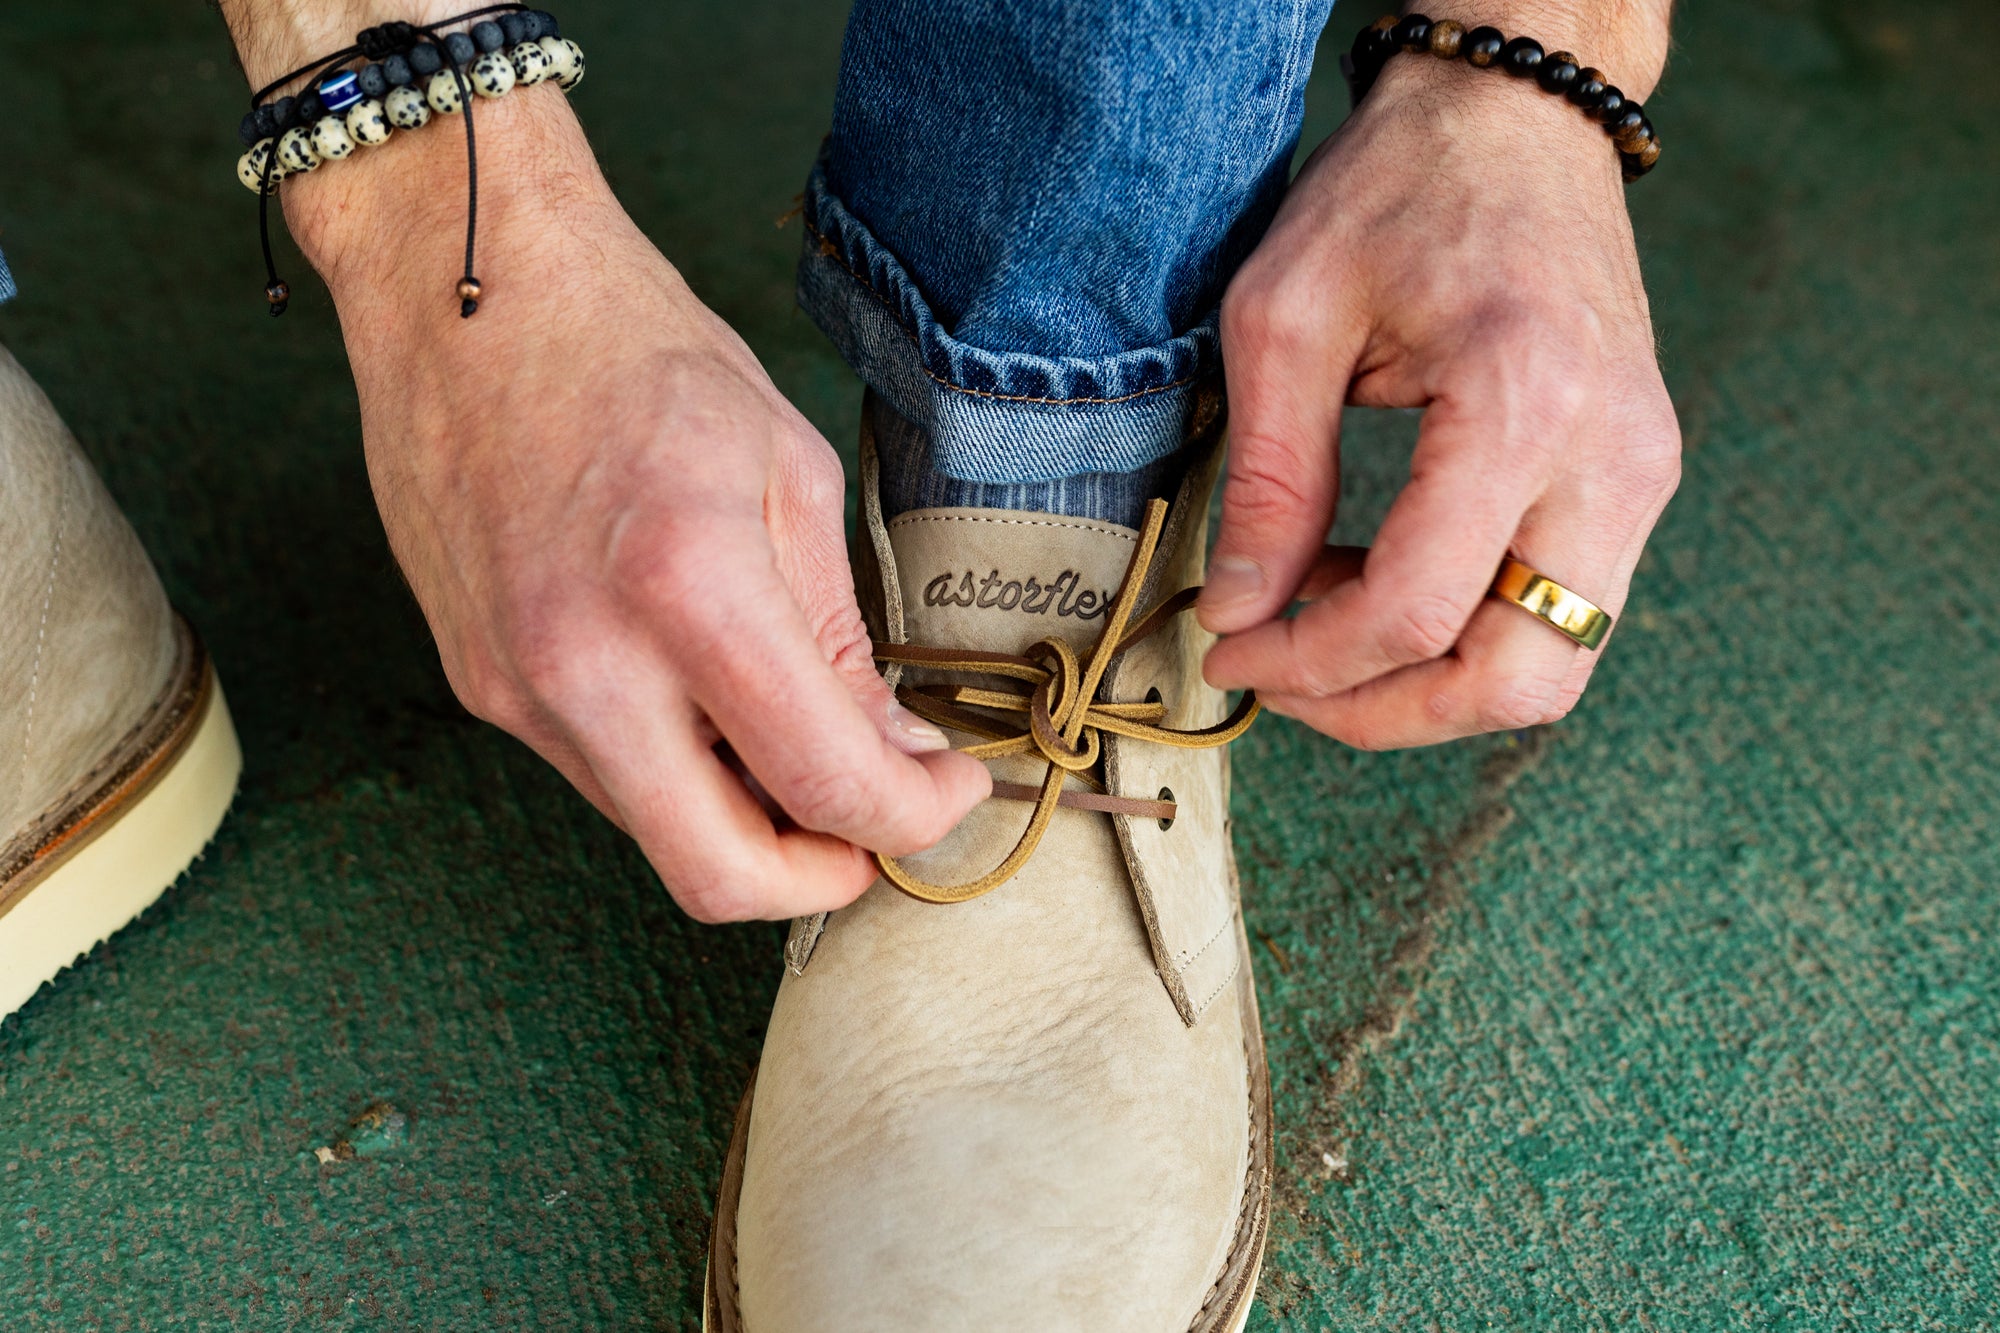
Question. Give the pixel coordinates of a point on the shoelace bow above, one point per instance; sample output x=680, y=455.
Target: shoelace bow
x=1065, y=720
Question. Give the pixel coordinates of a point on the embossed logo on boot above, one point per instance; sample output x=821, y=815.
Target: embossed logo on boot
x=1062, y=596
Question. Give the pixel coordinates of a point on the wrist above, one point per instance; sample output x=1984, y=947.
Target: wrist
x=1627, y=40
x=386, y=231
x=274, y=37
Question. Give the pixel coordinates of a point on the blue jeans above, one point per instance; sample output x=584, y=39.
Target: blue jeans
x=1021, y=225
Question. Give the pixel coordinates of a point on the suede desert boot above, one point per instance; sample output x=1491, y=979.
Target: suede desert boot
x=117, y=759
x=1019, y=1084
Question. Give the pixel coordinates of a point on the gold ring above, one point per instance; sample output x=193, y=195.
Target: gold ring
x=1579, y=618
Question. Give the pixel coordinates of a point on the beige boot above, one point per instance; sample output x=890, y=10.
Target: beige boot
x=1045, y=1107
x=117, y=758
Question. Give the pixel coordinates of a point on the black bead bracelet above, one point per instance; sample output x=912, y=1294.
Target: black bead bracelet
x=1559, y=73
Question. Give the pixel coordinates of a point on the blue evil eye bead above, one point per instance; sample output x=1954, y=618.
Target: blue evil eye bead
x=514, y=27
x=340, y=92
x=406, y=108
x=396, y=70
x=250, y=168
x=492, y=75
x=426, y=60
x=531, y=63
x=486, y=35
x=443, y=95
x=330, y=138
x=575, y=75
x=372, y=81
x=561, y=63
x=368, y=123
x=295, y=151
x=459, y=47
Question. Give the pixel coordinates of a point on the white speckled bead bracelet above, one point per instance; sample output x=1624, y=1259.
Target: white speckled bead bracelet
x=412, y=72
x=371, y=121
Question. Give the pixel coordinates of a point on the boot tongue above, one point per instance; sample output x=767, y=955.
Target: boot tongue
x=997, y=580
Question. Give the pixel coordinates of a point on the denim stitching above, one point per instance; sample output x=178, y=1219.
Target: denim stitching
x=828, y=249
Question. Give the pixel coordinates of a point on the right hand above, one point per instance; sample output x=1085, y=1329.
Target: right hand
x=628, y=543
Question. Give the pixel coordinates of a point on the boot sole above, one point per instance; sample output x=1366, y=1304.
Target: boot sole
x=1235, y=1290
x=107, y=851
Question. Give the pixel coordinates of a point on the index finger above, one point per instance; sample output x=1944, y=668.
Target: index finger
x=748, y=658
x=1486, y=451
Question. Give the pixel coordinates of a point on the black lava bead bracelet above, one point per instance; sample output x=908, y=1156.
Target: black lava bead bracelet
x=1560, y=73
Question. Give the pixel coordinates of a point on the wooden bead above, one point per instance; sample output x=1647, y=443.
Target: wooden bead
x=491, y=75
x=1446, y=34
x=443, y=94
x=1651, y=152
x=406, y=108
x=330, y=138
x=1412, y=32
x=1588, y=89
x=1521, y=57
x=1383, y=24
x=1557, y=72
x=1481, y=47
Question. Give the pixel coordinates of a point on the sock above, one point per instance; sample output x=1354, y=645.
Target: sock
x=910, y=482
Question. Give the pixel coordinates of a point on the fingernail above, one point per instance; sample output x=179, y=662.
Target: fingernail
x=1231, y=579
x=911, y=734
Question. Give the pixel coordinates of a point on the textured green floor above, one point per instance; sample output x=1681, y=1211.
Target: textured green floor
x=1678, y=1016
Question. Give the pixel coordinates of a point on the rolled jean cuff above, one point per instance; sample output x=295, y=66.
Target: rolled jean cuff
x=992, y=416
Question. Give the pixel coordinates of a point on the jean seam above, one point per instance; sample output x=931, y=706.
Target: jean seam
x=829, y=249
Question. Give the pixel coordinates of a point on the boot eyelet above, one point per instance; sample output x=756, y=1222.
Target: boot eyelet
x=1166, y=794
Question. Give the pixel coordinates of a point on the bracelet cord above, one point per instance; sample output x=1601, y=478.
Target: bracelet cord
x=374, y=44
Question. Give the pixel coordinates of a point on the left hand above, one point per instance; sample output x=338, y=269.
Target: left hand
x=1460, y=245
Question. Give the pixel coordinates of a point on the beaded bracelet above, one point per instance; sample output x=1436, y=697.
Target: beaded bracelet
x=412, y=70
x=1561, y=73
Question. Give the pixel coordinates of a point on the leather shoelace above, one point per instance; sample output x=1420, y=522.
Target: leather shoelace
x=1065, y=720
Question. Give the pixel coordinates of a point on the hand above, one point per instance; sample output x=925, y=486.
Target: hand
x=1461, y=245
x=629, y=545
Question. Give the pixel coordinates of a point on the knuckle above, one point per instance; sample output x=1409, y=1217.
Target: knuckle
x=488, y=692
x=1654, y=464
x=712, y=898
x=1260, y=487
x=1423, y=628
x=1261, y=317
x=1518, y=705
x=828, y=800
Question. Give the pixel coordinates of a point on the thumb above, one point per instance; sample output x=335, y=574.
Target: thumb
x=1286, y=386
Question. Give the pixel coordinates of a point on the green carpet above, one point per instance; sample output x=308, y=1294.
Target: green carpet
x=1679, y=1015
